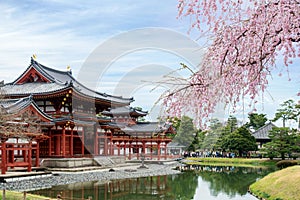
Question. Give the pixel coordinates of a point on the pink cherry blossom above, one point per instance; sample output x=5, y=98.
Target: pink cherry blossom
x=248, y=37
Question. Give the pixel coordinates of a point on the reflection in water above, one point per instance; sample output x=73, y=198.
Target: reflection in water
x=138, y=188
x=186, y=186
x=231, y=181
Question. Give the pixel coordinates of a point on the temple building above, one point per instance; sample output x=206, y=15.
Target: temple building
x=75, y=121
x=262, y=134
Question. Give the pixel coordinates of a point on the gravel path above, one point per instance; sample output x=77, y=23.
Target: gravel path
x=63, y=178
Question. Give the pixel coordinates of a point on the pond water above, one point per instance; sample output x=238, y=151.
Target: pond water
x=205, y=182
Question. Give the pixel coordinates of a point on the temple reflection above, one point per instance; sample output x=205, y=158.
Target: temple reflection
x=145, y=188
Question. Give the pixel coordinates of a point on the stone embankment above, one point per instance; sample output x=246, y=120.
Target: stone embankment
x=107, y=174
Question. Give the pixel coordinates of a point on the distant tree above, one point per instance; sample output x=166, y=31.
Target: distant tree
x=231, y=124
x=185, y=132
x=240, y=140
x=210, y=141
x=213, y=135
x=297, y=113
x=197, y=141
x=283, y=141
x=256, y=120
x=200, y=137
x=194, y=144
x=295, y=143
x=215, y=124
x=270, y=150
x=289, y=111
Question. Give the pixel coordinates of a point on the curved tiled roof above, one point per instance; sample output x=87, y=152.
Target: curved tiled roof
x=53, y=75
x=263, y=132
x=125, y=110
x=60, y=80
x=32, y=88
x=17, y=105
x=146, y=127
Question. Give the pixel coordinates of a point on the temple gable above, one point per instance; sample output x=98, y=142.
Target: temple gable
x=32, y=75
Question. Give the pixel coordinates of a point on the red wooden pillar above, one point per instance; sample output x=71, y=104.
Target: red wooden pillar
x=37, y=158
x=50, y=142
x=82, y=141
x=29, y=156
x=57, y=145
x=111, y=149
x=18, y=146
x=130, y=148
x=119, y=146
x=138, y=151
x=151, y=151
x=72, y=142
x=11, y=155
x=105, y=145
x=165, y=150
x=3, y=158
x=96, y=149
x=158, y=150
x=64, y=142
x=144, y=147
x=124, y=149
x=24, y=153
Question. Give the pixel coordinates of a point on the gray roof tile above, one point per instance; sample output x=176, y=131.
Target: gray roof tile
x=32, y=88
x=263, y=132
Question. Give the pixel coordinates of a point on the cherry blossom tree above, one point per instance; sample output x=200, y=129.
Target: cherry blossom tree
x=248, y=36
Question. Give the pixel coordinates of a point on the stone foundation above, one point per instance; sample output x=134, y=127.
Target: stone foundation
x=82, y=162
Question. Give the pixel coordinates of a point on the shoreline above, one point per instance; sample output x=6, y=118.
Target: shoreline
x=64, y=178
x=281, y=184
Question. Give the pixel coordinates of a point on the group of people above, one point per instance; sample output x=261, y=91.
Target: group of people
x=215, y=154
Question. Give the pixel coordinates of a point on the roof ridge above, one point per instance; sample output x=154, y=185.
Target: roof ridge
x=44, y=69
x=97, y=92
x=49, y=68
x=269, y=123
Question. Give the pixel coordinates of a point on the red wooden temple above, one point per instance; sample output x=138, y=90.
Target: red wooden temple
x=77, y=121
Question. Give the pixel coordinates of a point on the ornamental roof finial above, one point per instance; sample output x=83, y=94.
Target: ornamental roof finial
x=33, y=58
x=69, y=69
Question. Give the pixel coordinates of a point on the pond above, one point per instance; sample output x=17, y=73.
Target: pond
x=203, y=182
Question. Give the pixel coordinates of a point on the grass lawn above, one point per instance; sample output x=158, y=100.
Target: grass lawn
x=12, y=195
x=242, y=162
x=279, y=185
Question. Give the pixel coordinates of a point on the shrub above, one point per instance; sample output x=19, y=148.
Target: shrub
x=286, y=163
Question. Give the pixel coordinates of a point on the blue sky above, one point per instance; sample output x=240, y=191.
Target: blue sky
x=63, y=33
